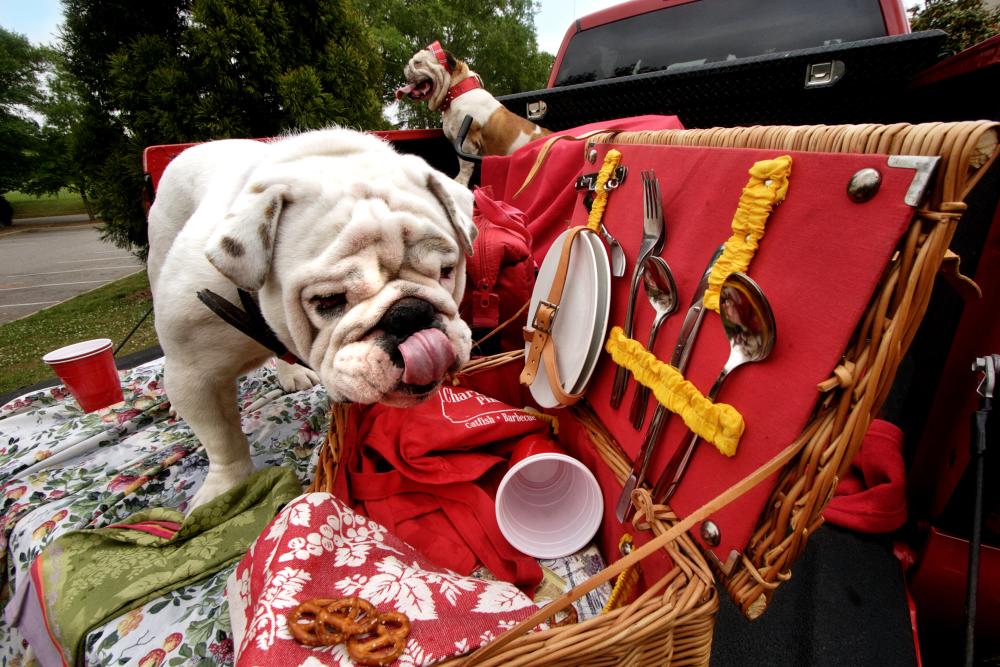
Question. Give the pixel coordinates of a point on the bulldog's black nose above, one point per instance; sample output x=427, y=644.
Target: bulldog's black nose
x=407, y=316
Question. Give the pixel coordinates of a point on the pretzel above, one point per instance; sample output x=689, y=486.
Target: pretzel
x=384, y=643
x=345, y=618
x=302, y=621
x=569, y=617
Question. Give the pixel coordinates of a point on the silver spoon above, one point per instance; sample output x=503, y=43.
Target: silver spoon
x=749, y=324
x=616, y=252
x=658, y=281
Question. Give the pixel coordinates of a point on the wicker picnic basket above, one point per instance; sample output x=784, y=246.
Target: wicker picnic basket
x=671, y=622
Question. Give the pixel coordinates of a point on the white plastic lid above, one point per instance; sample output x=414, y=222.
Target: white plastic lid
x=76, y=351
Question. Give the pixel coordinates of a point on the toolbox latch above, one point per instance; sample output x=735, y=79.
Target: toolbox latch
x=537, y=110
x=820, y=75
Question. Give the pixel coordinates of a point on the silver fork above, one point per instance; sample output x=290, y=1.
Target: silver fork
x=653, y=236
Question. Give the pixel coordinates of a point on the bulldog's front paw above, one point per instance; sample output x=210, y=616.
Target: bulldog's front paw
x=293, y=377
x=220, y=480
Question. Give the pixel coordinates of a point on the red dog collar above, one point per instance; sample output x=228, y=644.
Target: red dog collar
x=460, y=88
x=435, y=48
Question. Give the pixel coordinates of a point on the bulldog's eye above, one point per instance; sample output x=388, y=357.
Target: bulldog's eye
x=447, y=272
x=328, y=304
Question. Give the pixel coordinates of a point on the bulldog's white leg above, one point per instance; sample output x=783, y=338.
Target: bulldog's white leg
x=293, y=377
x=465, y=172
x=206, y=399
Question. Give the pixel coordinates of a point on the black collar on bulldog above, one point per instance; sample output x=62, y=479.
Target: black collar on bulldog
x=249, y=320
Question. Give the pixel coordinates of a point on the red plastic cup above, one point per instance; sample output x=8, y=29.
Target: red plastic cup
x=548, y=505
x=533, y=445
x=88, y=371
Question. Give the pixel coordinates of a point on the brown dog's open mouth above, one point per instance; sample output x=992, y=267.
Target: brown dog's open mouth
x=415, y=91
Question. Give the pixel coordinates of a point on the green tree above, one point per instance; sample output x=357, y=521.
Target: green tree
x=21, y=66
x=497, y=39
x=171, y=71
x=60, y=107
x=967, y=22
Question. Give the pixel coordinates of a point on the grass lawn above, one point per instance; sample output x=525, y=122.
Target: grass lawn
x=106, y=312
x=29, y=206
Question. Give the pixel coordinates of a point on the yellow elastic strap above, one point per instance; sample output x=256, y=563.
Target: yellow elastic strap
x=718, y=423
x=766, y=188
x=626, y=582
x=611, y=161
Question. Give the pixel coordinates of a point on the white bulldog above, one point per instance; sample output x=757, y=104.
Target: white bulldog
x=354, y=252
x=448, y=85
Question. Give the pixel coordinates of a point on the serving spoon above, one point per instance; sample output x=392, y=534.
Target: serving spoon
x=749, y=324
x=661, y=290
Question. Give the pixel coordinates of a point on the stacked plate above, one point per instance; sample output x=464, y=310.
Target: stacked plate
x=579, y=326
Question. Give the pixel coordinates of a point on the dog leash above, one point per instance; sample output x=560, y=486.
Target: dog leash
x=248, y=320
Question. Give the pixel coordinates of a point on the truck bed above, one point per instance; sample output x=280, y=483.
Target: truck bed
x=868, y=83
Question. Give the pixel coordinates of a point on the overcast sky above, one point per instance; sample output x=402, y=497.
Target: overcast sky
x=38, y=19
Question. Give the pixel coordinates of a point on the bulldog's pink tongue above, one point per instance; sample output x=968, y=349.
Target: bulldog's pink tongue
x=427, y=355
x=404, y=90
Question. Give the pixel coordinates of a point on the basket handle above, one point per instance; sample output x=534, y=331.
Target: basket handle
x=608, y=573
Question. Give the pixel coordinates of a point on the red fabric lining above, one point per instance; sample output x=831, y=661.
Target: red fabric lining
x=818, y=263
x=429, y=473
x=871, y=498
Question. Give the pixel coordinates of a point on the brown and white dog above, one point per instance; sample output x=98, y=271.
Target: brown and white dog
x=448, y=85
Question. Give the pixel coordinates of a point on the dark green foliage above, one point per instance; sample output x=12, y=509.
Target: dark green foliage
x=173, y=71
x=967, y=22
x=21, y=65
x=497, y=40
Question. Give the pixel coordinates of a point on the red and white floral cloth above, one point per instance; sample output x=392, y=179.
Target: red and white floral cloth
x=318, y=547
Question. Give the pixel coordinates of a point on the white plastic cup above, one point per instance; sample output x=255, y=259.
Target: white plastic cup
x=548, y=505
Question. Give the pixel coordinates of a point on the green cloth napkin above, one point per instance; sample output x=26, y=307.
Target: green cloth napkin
x=85, y=578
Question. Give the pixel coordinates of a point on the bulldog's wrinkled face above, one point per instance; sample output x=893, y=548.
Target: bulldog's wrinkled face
x=381, y=305
x=365, y=280
x=427, y=80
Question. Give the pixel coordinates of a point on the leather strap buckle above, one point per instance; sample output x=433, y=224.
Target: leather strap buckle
x=545, y=315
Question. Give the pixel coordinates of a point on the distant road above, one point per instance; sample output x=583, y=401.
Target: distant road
x=51, y=220
x=42, y=265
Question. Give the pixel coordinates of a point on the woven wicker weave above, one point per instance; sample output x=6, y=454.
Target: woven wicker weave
x=672, y=621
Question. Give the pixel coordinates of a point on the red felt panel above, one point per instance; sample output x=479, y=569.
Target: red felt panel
x=819, y=262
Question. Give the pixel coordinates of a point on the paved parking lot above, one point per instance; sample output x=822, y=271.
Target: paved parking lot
x=41, y=266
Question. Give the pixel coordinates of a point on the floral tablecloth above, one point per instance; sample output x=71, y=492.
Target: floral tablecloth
x=61, y=470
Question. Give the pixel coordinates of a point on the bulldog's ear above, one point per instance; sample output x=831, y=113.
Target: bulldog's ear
x=241, y=245
x=457, y=203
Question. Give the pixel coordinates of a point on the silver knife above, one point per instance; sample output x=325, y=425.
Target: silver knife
x=682, y=354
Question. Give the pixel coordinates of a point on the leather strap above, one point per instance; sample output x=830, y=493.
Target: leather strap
x=542, y=347
x=249, y=320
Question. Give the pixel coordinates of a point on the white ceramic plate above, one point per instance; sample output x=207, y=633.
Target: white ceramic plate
x=603, y=305
x=573, y=328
